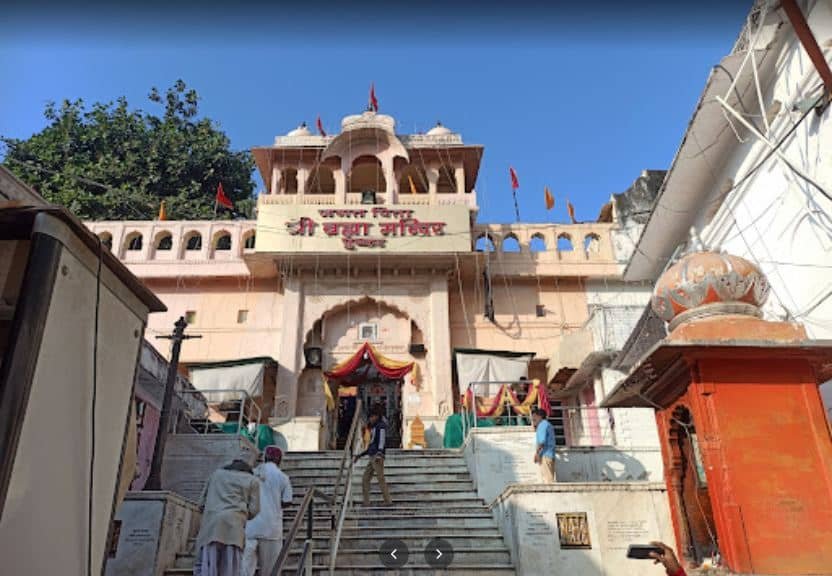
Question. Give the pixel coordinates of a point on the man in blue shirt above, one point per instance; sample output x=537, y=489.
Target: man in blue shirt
x=545, y=444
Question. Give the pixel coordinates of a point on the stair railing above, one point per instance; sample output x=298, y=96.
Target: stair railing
x=339, y=508
x=307, y=508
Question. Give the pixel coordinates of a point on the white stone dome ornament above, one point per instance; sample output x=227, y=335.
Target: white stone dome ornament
x=439, y=130
x=301, y=130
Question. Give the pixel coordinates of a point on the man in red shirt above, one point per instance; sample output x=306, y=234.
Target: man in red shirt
x=668, y=559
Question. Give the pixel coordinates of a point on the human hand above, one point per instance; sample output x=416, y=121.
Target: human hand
x=667, y=558
x=537, y=458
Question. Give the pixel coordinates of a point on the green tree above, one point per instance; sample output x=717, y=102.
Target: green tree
x=112, y=163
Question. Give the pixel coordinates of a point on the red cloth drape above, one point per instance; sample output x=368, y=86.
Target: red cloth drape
x=393, y=369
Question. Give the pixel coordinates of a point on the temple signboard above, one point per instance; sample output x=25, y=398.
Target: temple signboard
x=317, y=228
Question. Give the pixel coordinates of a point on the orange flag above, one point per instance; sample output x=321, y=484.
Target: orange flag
x=571, y=210
x=412, y=185
x=550, y=200
x=163, y=213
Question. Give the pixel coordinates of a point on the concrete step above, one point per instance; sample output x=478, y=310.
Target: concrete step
x=404, y=492
x=417, y=541
x=370, y=557
x=394, y=452
x=415, y=567
x=312, y=479
x=325, y=464
x=416, y=517
x=374, y=535
x=394, y=485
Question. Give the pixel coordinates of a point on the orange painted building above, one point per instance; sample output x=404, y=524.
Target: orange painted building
x=745, y=441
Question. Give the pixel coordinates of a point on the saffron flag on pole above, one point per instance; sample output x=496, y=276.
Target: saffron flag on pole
x=515, y=183
x=222, y=199
x=550, y=200
x=412, y=185
x=571, y=210
x=163, y=213
x=373, y=99
x=320, y=126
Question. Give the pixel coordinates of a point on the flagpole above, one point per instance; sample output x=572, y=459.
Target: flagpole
x=516, y=207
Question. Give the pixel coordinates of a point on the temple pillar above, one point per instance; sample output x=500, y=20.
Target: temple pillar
x=275, y=179
x=433, y=179
x=340, y=185
x=459, y=176
x=303, y=176
x=289, y=348
x=439, y=354
x=390, y=179
x=745, y=441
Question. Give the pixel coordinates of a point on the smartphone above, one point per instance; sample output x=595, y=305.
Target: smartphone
x=642, y=551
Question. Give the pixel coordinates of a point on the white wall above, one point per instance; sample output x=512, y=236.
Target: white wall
x=617, y=514
x=300, y=434
x=614, y=309
x=498, y=457
x=776, y=219
x=48, y=490
x=155, y=526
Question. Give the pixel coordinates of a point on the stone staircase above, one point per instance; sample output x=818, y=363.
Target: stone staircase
x=433, y=496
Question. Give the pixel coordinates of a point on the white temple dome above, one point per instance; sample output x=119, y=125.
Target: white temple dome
x=301, y=130
x=439, y=130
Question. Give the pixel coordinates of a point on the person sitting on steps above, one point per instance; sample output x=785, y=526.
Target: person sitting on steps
x=375, y=450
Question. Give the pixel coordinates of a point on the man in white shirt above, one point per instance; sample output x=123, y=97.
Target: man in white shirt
x=264, y=533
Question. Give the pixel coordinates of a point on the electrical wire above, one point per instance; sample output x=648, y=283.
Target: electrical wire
x=93, y=405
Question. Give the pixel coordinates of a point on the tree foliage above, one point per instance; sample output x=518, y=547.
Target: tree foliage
x=109, y=162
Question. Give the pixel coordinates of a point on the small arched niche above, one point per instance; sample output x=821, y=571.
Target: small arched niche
x=537, y=243
x=484, y=244
x=510, y=244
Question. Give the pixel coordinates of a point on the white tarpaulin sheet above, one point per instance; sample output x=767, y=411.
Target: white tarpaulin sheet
x=246, y=377
x=489, y=368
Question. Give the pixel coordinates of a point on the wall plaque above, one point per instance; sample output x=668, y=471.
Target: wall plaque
x=573, y=531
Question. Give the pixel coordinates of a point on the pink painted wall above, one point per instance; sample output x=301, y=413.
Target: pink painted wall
x=149, y=426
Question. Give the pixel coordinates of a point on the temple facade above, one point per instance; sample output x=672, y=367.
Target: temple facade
x=370, y=236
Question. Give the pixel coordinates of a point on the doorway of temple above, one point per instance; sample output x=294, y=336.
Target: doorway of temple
x=376, y=381
x=387, y=394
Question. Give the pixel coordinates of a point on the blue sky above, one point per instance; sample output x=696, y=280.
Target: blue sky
x=577, y=106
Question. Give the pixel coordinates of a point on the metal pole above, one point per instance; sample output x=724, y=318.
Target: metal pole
x=807, y=39
x=154, y=480
x=310, y=520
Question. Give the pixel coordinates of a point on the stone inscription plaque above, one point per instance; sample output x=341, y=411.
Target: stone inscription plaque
x=537, y=531
x=573, y=531
x=622, y=533
x=514, y=457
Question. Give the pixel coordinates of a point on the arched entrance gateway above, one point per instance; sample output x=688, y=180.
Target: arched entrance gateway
x=376, y=380
x=367, y=349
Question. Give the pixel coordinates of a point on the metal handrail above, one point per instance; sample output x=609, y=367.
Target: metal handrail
x=307, y=508
x=346, y=457
x=347, y=448
x=246, y=401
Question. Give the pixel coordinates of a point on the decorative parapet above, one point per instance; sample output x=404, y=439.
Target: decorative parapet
x=569, y=242
x=159, y=248
x=381, y=199
x=430, y=140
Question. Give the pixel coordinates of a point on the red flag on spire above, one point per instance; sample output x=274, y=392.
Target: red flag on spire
x=373, y=99
x=320, y=126
x=515, y=183
x=222, y=199
x=571, y=210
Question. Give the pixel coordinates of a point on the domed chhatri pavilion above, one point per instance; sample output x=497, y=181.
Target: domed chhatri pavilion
x=367, y=236
x=745, y=442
